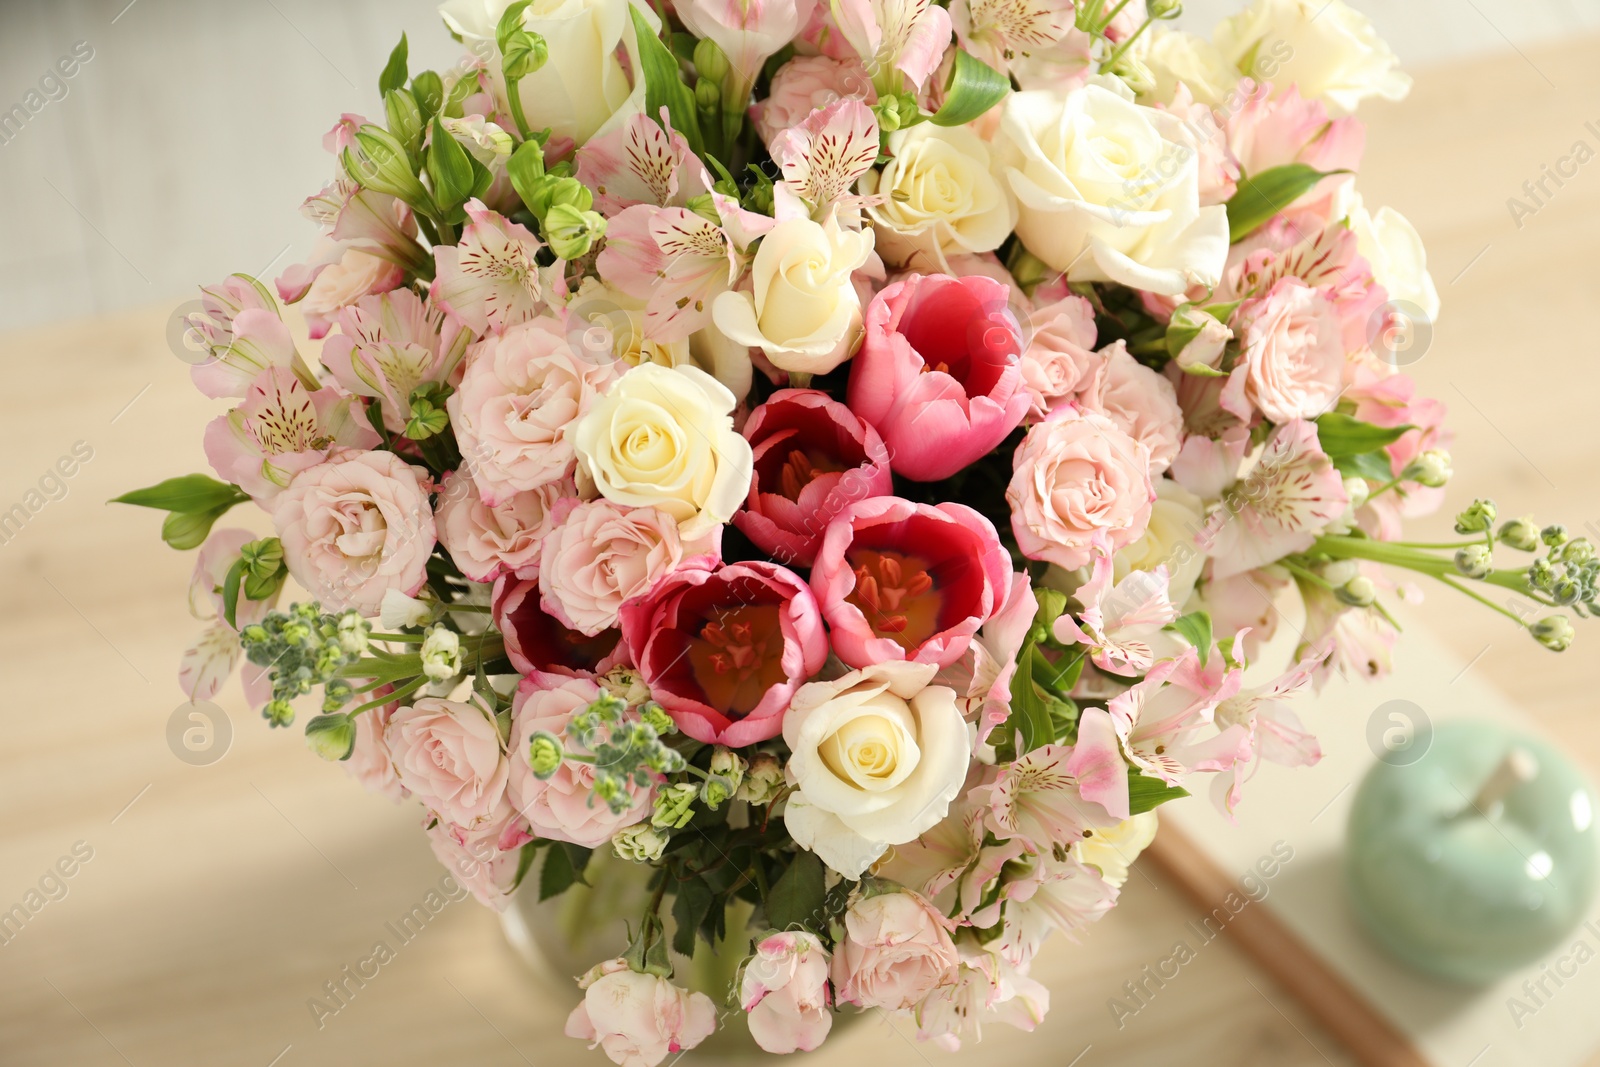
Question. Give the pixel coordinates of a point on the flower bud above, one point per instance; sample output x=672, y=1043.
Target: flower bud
x=378, y=161
x=353, y=631
x=1554, y=535
x=675, y=806
x=1164, y=9
x=1478, y=517
x=763, y=780
x=655, y=716
x=726, y=763
x=1520, y=534
x=1475, y=561
x=714, y=792
x=710, y=62
x=1358, y=592
x=571, y=232
x=707, y=94
x=1196, y=340
x=1554, y=633
x=405, y=118
x=545, y=754
x=1357, y=490
x=1134, y=72
x=441, y=654
x=1430, y=469
x=641, y=843
x=333, y=737
x=1578, y=552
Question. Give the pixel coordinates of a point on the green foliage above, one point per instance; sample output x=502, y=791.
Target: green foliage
x=797, y=897
x=195, y=502
x=1194, y=628
x=664, y=86
x=1345, y=435
x=974, y=88
x=1263, y=195
x=1145, y=793
x=563, y=868
x=394, y=72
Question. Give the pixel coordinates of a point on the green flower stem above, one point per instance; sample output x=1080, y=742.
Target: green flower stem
x=389, y=698
x=415, y=639
x=1442, y=568
x=1435, y=544
x=1302, y=571
x=1111, y=60
x=1485, y=601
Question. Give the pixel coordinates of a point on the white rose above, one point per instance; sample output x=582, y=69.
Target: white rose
x=583, y=86
x=878, y=755
x=802, y=311
x=1326, y=49
x=1175, y=518
x=1391, y=247
x=1110, y=191
x=663, y=437
x=1175, y=56
x=940, y=198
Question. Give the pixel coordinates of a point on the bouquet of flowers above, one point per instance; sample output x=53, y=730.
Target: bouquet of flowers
x=841, y=457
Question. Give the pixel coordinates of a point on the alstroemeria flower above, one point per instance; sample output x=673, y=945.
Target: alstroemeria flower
x=280, y=429
x=983, y=676
x=904, y=581
x=1055, y=894
x=749, y=32
x=955, y=863
x=674, y=260
x=1288, y=497
x=640, y=163
x=207, y=663
x=988, y=989
x=939, y=372
x=490, y=280
x=895, y=37
x=822, y=157
x=232, y=363
x=1037, y=799
x=390, y=344
x=813, y=458
x=1000, y=31
x=1119, y=621
x=724, y=650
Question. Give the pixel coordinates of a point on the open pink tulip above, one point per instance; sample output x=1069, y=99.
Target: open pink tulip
x=904, y=581
x=939, y=372
x=724, y=650
x=813, y=458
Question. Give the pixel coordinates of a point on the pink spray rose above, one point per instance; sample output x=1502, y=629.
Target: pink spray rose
x=904, y=581
x=639, y=1019
x=1060, y=365
x=1143, y=404
x=813, y=458
x=896, y=950
x=939, y=372
x=1075, y=474
x=561, y=808
x=486, y=541
x=806, y=84
x=476, y=865
x=535, y=641
x=354, y=527
x=1293, y=354
x=785, y=993
x=724, y=650
x=448, y=754
x=600, y=555
x=519, y=397
x=369, y=763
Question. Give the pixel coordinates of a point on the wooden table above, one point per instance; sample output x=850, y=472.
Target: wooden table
x=220, y=898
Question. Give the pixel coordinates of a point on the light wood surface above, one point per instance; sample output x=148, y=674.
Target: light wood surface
x=219, y=899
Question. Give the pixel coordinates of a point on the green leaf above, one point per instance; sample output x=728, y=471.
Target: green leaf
x=1030, y=715
x=563, y=868
x=450, y=168
x=394, y=73
x=1263, y=195
x=974, y=88
x=1145, y=792
x=191, y=492
x=184, y=530
x=525, y=860
x=689, y=908
x=230, y=593
x=1194, y=628
x=664, y=86
x=427, y=89
x=463, y=88
x=1373, y=466
x=510, y=22
x=796, y=898
x=1343, y=435
x=526, y=169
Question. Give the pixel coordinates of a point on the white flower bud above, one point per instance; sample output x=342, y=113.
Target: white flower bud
x=441, y=654
x=641, y=843
x=1431, y=469
x=763, y=780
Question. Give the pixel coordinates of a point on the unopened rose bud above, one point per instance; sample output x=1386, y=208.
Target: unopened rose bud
x=333, y=737
x=1358, y=592
x=675, y=806
x=1431, y=469
x=763, y=780
x=1475, y=561
x=441, y=654
x=1520, y=534
x=1554, y=633
x=640, y=843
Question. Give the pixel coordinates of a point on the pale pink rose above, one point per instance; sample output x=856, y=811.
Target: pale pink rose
x=476, y=865
x=599, y=555
x=521, y=393
x=485, y=541
x=895, y=951
x=353, y=275
x=1219, y=170
x=1077, y=473
x=1143, y=403
x=1292, y=362
x=1060, y=365
x=785, y=993
x=561, y=808
x=639, y=1019
x=806, y=84
x=369, y=763
x=355, y=527
x=448, y=754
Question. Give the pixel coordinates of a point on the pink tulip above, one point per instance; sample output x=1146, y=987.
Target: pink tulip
x=537, y=642
x=939, y=372
x=904, y=581
x=813, y=458
x=724, y=650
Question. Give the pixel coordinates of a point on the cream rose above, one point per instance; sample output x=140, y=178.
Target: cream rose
x=663, y=437
x=1323, y=47
x=1390, y=245
x=1110, y=191
x=803, y=311
x=1175, y=57
x=583, y=87
x=940, y=198
x=878, y=755
x=1175, y=518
